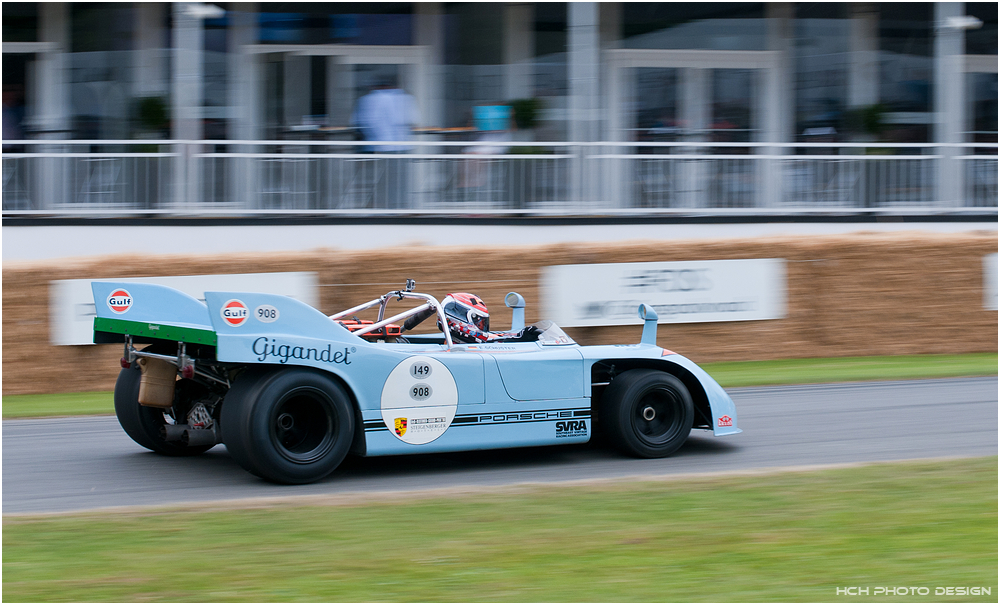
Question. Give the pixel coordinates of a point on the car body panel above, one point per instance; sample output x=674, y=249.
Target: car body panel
x=720, y=402
x=412, y=397
x=150, y=310
x=531, y=372
x=723, y=408
x=477, y=427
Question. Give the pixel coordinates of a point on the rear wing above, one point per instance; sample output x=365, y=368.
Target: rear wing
x=146, y=311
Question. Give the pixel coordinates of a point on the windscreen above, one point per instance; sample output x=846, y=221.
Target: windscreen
x=552, y=334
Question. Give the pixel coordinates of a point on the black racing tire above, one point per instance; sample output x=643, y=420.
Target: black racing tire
x=647, y=413
x=291, y=425
x=143, y=423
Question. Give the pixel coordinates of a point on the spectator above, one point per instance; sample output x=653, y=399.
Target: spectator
x=13, y=116
x=387, y=113
x=494, y=124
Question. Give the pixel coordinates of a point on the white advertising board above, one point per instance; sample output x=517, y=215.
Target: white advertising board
x=681, y=292
x=990, y=282
x=71, y=301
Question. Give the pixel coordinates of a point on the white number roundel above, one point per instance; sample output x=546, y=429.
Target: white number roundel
x=266, y=314
x=419, y=400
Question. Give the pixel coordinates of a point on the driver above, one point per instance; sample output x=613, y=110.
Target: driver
x=469, y=321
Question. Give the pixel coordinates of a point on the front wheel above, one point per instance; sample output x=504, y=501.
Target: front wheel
x=647, y=413
x=292, y=425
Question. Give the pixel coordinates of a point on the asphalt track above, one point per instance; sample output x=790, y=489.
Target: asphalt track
x=73, y=464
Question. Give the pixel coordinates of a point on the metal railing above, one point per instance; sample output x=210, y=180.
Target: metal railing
x=252, y=177
x=85, y=176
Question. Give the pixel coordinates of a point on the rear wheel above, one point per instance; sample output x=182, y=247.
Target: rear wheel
x=647, y=413
x=292, y=425
x=143, y=424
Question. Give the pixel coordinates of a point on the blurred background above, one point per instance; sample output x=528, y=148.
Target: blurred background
x=255, y=108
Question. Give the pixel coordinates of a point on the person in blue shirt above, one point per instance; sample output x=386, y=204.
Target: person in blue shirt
x=388, y=113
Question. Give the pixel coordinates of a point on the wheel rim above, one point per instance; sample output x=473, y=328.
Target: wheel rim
x=657, y=416
x=303, y=424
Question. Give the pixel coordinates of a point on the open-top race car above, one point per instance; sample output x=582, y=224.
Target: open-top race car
x=291, y=391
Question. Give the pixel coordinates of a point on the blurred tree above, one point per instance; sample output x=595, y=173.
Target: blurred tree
x=867, y=120
x=526, y=112
x=151, y=115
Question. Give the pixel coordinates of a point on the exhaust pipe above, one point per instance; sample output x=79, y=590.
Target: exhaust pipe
x=188, y=436
x=195, y=437
x=172, y=432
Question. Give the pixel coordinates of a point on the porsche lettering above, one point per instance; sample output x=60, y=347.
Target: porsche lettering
x=526, y=416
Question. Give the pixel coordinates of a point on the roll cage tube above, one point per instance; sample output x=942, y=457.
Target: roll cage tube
x=429, y=303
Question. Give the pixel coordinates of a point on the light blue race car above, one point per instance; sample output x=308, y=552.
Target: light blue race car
x=291, y=391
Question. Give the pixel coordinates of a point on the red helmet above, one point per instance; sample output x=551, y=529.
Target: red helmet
x=466, y=313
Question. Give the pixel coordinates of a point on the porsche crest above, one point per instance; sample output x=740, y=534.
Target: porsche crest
x=401, y=426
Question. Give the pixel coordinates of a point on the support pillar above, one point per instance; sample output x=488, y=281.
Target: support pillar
x=695, y=108
x=615, y=191
x=151, y=44
x=777, y=118
x=245, y=102
x=584, y=59
x=519, y=50
x=430, y=34
x=339, y=92
x=430, y=95
x=610, y=39
x=187, y=81
x=949, y=101
x=776, y=101
x=245, y=90
x=297, y=86
x=52, y=107
x=862, y=71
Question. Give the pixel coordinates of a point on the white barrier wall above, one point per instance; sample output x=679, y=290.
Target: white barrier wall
x=681, y=292
x=990, y=282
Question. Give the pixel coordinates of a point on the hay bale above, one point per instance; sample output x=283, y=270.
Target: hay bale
x=855, y=294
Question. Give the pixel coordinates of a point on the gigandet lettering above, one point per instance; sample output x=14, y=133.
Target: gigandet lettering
x=269, y=348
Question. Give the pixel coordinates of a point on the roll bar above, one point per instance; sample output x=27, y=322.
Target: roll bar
x=429, y=303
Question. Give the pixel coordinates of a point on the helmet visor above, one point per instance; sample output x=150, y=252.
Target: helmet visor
x=465, y=314
x=480, y=321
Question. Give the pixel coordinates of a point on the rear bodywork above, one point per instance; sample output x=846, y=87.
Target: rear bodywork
x=421, y=396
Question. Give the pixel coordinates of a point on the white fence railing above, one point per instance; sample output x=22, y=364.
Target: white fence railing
x=197, y=177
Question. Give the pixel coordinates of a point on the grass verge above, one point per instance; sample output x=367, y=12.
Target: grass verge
x=849, y=369
x=729, y=374
x=58, y=404
x=782, y=537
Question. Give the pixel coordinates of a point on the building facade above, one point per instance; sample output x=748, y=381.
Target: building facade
x=920, y=76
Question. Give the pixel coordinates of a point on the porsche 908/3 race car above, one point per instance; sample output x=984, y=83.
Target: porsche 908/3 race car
x=291, y=391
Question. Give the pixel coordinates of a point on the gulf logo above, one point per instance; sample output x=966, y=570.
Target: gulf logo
x=235, y=313
x=120, y=301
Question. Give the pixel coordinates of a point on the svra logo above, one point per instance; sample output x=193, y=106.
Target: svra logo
x=571, y=428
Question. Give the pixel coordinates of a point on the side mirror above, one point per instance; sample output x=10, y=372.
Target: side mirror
x=649, y=318
x=515, y=302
